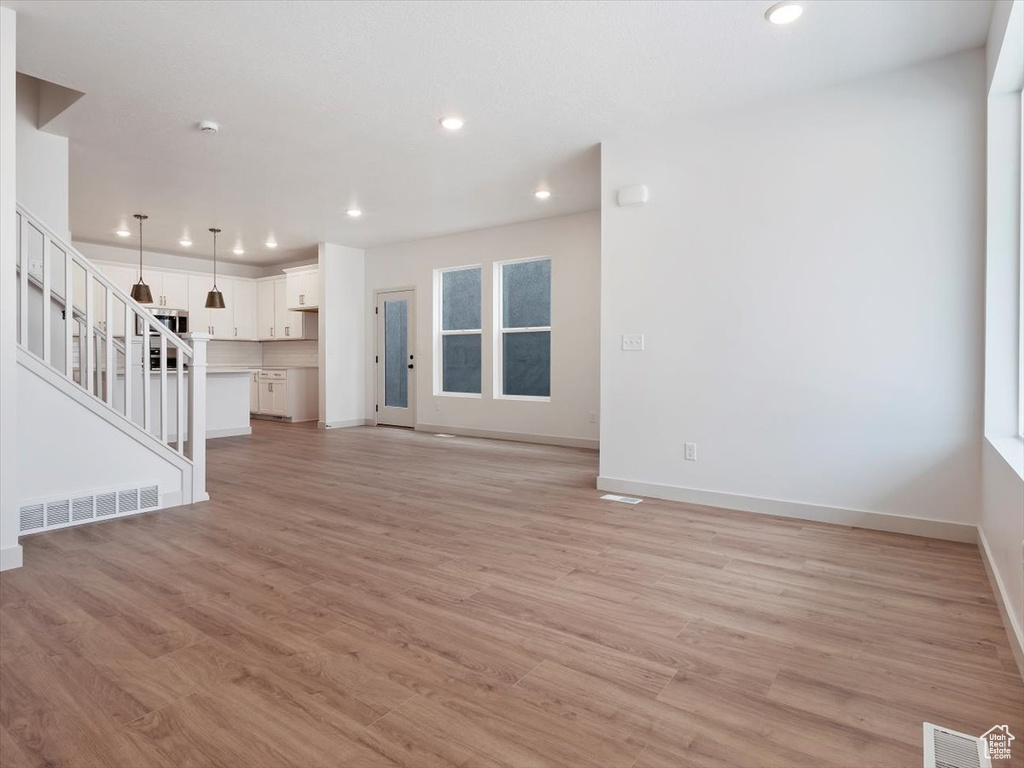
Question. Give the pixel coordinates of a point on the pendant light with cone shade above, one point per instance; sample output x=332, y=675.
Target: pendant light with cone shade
x=140, y=291
x=214, y=299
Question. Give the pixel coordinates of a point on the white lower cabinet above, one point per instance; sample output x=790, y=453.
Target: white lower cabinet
x=287, y=393
x=254, y=392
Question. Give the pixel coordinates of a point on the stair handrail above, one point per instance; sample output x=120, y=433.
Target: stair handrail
x=97, y=275
x=97, y=374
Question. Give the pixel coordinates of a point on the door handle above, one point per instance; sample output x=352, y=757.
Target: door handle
x=411, y=365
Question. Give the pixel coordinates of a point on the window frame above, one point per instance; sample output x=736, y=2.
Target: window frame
x=500, y=330
x=1020, y=267
x=440, y=332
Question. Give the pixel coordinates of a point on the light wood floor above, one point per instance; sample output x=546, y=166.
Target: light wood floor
x=367, y=597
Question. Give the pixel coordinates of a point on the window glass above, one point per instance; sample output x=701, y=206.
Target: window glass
x=527, y=364
x=460, y=300
x=526, y=294
x=460, y=369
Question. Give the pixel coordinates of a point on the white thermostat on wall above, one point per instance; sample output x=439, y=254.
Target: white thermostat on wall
x=636, y=195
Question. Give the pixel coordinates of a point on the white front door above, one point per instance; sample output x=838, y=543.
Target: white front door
x=395, y=359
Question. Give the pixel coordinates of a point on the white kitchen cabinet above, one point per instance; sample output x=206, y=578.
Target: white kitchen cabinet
x=275, y=322
x=265, y=309
x=289, y=394
x=274, y=397
x=223, y=320
x=120, y=276
x=254, y=391
x=217, y=322
x=170, y=290
x=198, y=314
x=243, y=308
x=302, y=288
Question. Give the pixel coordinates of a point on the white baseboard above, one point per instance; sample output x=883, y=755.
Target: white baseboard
x=519, y=437
x=343, y=423
x=878, y=521
x=212, y=434
x=1013, y=630
x=172, y=499
x=11, y=557
x=228, y=432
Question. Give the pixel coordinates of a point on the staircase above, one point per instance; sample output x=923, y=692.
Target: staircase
x=108, y=424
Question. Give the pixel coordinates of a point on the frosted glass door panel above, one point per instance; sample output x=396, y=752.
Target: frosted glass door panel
x=396, y=353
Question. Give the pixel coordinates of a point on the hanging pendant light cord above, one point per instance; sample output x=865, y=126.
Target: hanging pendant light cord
x=141, y=217
x=214, y=259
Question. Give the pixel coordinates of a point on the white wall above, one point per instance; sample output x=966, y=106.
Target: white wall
x=808, y=275
x=10, y=551
x=573, y=244
x=342, y=318
x=1002, y=508
x=42, y=163
x=64, y=448
x=129, y=254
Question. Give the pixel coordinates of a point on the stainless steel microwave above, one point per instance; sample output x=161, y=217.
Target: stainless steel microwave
x=174, y=320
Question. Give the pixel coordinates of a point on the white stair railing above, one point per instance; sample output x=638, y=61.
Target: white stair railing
x=81, y=325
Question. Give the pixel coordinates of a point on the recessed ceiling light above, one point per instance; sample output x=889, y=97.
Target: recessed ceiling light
x=239, y=250
x=123, y=233
x=784, y=13
x=271, y=244
x=185, y=242
x=452, y=123
x=542, y=194
x=355, y=213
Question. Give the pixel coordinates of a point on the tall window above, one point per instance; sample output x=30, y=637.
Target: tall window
x=523, y=363
x=459, y=350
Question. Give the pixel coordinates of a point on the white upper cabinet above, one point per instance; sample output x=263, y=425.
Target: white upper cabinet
x=223, y=320
x=170, y=290
x=217, y=322
x=302, y=288
x=199, y=320
x=244, y=308
x=265, y=309
x=255, y=310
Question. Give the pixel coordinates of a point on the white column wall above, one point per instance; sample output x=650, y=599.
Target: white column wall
x=10, y=551
x=343, y=322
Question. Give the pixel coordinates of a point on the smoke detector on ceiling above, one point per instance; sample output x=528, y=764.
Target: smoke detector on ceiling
x=208, y=126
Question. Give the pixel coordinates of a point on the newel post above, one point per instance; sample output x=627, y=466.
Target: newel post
x=196, y=448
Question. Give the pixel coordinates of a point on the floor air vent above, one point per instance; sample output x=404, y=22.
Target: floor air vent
x=60, y=513
x=32, y=517
x=81, y=508
x=944, y=748
x=621, y=499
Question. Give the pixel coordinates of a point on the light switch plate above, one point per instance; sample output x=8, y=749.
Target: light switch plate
x=633, y=342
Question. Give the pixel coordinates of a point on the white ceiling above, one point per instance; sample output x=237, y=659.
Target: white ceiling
x=327, y=104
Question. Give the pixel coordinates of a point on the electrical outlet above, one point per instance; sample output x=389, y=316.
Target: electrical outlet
x=593, y=417
x=691, y=451
x=633, y=342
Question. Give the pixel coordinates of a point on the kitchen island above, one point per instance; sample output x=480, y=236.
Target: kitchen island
x=227, y=400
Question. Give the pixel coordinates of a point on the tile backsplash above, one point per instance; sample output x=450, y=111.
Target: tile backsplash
x=283, y=354
x=243, y=354
x=265, y=354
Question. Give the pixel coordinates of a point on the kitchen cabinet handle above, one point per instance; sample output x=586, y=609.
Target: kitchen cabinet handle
x=271, y=331
x=287, y=330
x=302, y=298
x=270, y=387
x=236, y=330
